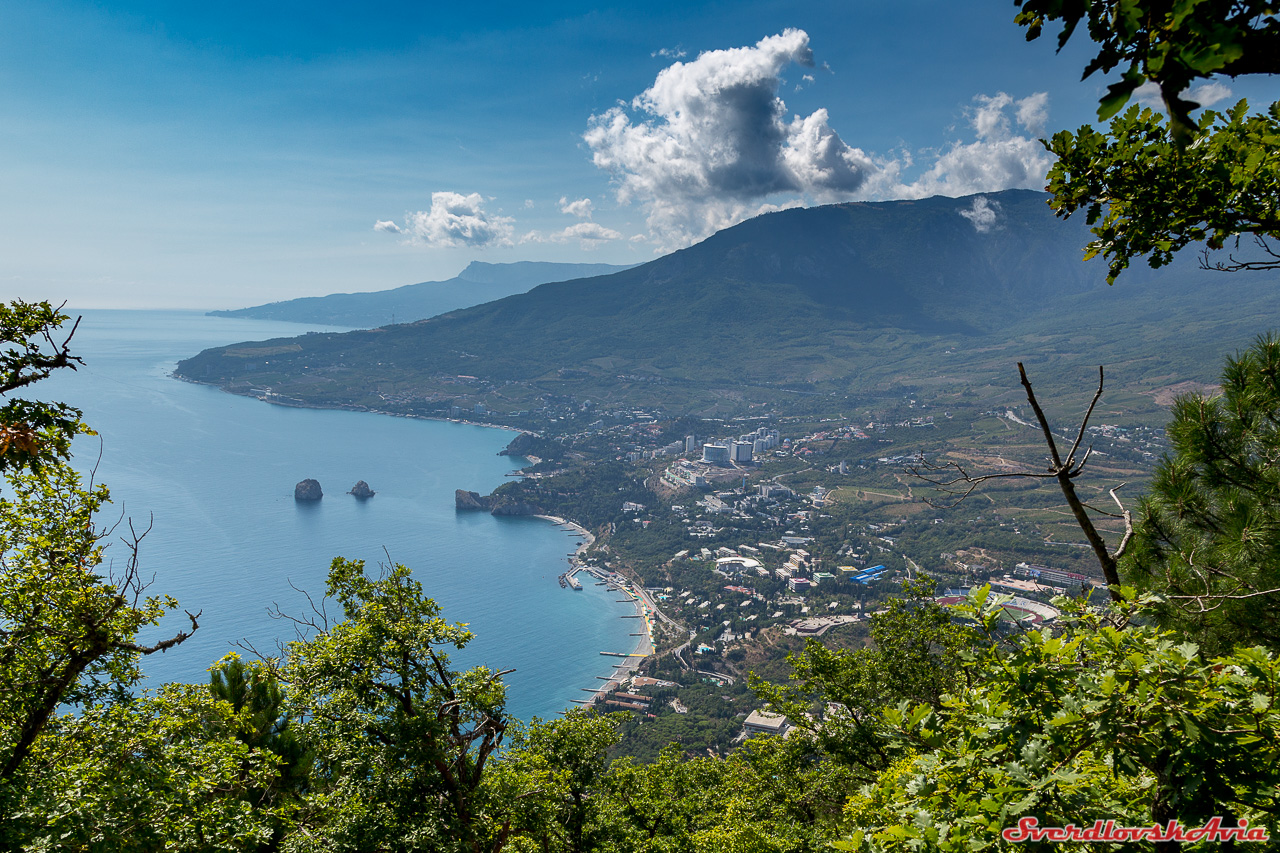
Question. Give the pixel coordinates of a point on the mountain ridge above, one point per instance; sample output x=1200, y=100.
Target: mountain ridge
x=840, y=299
x=478, y=283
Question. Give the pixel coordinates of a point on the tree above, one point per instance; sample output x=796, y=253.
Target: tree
x=1208, y=535
x=550, y=779
x=1170, y=42
x=667, y=804
x=1098, y=718
x=837, y=695
x=1150, y=186
x=32, y=433
x=958, y=483
x=1147, y=195
x=257, y=701
x=68, y=631
x=169, y=772
x=401, y=739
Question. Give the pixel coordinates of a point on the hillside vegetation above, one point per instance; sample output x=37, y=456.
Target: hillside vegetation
x=844, y=301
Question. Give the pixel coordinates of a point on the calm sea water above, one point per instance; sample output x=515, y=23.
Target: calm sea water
x=214, y=474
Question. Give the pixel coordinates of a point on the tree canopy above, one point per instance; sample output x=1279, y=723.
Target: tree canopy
x=1152, y=185
x=32, y=432
x=1172, y=43
x=1207, y=537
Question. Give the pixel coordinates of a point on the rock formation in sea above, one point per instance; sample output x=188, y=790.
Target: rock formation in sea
x=462, y=499
x=308, y=490
x=361, y=490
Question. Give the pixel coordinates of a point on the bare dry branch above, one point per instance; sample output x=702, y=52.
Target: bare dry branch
x=959, y=483
x=1043, y=421
x=1128, y=522
x=1084, y=423
x=165, y=645
x=1233, y=264
x=963, y=477
x=318, y=622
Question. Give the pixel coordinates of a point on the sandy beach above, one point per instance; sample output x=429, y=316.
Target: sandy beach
x=588, y=539
x=623, y=667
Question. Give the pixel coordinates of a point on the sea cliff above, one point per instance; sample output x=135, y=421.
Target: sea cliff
x=495, y=504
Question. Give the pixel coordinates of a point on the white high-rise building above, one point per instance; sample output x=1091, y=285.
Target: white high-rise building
x=741, y=451
x=690, y=443
x=716, y=454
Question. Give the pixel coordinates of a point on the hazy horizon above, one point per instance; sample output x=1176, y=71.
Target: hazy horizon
x=222, y=156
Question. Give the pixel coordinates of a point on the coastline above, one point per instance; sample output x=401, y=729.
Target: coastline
x=644, y=646
x=291, y=403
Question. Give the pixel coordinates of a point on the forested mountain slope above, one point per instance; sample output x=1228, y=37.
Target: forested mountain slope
x=833, y=300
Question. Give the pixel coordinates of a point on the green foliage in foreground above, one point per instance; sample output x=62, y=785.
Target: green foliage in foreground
x=31, y=432
x=954, y=726
x=945, y=732
x=1146, y=195
x=1173, y=43
x=1207, y=531
x=1102, y=718
x=1158, y=186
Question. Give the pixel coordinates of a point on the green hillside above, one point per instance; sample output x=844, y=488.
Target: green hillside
x=842, y=300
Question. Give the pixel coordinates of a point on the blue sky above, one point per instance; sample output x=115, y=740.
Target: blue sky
x=171, y=154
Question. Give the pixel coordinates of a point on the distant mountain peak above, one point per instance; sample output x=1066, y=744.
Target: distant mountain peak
x=482, y=272
x=480, y=282
x=859, y=297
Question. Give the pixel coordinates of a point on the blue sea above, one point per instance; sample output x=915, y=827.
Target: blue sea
x=212, y=475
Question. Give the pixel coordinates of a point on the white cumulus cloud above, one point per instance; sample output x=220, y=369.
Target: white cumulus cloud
x=1206, y=94
x=588, y=234
x=1033, y=112
x=580, y=208
x=1000, y=158
x=983, y=213
x=709, y=142
x=454, y=221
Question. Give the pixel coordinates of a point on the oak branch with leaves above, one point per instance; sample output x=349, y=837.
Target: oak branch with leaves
x=1152, y=185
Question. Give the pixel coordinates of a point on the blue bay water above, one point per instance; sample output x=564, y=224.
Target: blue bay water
x=213, y=474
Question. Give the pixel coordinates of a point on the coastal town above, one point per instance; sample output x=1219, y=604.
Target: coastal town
x=737, y=541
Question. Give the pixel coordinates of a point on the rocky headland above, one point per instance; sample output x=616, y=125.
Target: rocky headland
x=494, y=504
x=521, y=445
